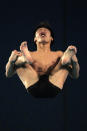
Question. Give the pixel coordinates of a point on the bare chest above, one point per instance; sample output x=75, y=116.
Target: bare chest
x=44, y=62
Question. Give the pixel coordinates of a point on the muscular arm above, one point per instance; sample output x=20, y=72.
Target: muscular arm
x=70, y=61
x=74, y=71
x=18, y=59
x=65, y=67
x=10, y=66
x=10, y=69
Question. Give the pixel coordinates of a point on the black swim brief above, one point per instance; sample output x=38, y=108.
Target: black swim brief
x=43, y=88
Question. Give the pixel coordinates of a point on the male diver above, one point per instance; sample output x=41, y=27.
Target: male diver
x=38, y=68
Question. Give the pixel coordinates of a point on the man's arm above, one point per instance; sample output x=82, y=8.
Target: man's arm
x=10, y=66
x=74, y=71
x=70, y=61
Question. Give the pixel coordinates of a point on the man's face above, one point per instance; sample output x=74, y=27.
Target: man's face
x=43, y=35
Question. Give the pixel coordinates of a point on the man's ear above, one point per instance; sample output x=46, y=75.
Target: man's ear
x=51, y=38
x=34, y=39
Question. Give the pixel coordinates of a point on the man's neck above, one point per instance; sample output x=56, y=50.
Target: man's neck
x=43, y=47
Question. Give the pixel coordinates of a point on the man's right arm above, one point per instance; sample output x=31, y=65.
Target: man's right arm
x=70, y=61
x=10, y=66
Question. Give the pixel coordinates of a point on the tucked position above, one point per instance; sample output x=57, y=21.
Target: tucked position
x=36, y=68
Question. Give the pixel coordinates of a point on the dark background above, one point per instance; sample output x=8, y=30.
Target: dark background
x=19, y=111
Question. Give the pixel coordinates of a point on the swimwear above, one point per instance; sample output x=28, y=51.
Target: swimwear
x=43, y=88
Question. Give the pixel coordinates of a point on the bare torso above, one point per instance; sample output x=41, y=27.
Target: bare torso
x=44, y=63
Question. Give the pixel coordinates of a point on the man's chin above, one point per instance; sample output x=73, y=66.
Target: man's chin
x=43, y=42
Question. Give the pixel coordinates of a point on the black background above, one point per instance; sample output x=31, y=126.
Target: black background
x=19, y=111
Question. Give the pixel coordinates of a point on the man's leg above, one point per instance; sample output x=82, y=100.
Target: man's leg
x=59, y=74
x=58, y=78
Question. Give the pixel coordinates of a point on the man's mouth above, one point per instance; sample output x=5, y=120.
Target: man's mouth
x=42, y=34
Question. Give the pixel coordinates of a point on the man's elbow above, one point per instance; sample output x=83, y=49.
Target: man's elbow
x=75, y=76
x=8, y=74
x=75, y=73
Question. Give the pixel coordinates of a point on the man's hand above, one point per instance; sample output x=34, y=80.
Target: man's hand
x=14, y=56
x=68, y=55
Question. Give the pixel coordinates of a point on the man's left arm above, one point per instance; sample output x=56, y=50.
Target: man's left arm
x=74, y=70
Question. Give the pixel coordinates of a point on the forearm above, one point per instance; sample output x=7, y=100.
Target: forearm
x=70, y=61
x=75, y=69
x=10, y=69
